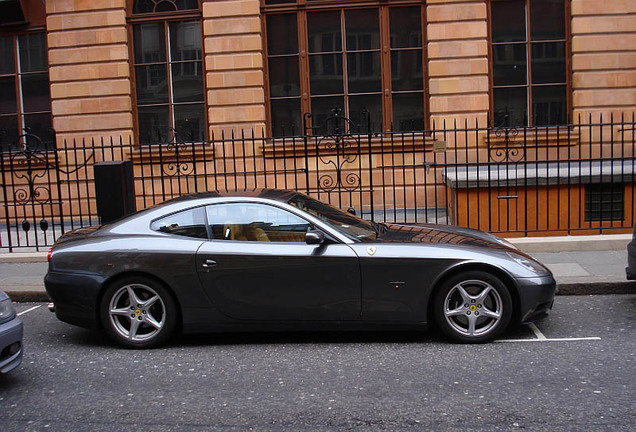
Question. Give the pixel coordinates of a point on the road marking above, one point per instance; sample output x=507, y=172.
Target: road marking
x=594, y=338
x=536, y=331
x=29, y=310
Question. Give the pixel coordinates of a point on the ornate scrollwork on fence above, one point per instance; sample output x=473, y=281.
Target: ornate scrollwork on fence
x=504, y=147
x=340, y=149
x=34, y=170
x=180, y=163
x=30, y=164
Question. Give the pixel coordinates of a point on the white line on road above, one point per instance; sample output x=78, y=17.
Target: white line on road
x=536, y=331
x=594, y=338
x=29, y=310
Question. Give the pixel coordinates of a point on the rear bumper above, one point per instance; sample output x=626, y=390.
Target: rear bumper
x=10, y=345
x=536, y=297
x=75, y=296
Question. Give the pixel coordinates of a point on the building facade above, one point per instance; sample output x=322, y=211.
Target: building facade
x=144, y=68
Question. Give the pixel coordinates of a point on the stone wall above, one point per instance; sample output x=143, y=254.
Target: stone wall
x=603, y=57
x=234, y=65
x=457, y=35
x=89, y=69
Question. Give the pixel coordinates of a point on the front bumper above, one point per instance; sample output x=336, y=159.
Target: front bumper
x=10, y=345
x=536, y=297
x=75, y=296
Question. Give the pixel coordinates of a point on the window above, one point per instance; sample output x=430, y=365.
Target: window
x=604, y=202
x=255, y=222
x=168, y=71
x=366, y=61
x=529, y=72
x=189, y=223
x=25, y=96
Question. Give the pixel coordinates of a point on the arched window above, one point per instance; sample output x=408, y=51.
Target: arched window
x=168, y=71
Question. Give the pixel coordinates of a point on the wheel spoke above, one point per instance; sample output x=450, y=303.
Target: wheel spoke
x=125, y=311
x=481, y=297
x=134, y=326
x=472, y=321
x=454, y=312
x=491, y=314
x=132, y=297
x=148, y=303
x=149, y=319
x=465, y=296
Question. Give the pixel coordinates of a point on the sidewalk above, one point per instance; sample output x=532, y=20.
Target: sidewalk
x=581, y=265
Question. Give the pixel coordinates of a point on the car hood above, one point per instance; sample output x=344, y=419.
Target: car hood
x=439, y=234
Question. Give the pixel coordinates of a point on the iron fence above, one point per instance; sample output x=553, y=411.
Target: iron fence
x=515, y=181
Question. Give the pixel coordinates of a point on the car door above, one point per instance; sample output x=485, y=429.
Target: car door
x=259, y=267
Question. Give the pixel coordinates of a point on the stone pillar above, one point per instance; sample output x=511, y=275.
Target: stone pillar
x=603, y=59
x=89, y=69
x=457, y=36
x=233, y=47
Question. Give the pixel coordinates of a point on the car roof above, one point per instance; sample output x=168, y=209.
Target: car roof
x=273, y=194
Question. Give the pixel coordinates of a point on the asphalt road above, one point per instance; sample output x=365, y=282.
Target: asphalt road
x=573, y=372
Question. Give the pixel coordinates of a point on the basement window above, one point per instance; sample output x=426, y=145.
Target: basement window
x=604, y=202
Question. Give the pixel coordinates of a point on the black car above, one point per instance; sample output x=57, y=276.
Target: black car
x=278, y=260
x=631, y=258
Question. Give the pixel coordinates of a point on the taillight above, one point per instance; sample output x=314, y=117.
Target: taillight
x=48, y=255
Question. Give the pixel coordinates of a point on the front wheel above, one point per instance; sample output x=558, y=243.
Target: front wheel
x=138, y=312
x=472, y=307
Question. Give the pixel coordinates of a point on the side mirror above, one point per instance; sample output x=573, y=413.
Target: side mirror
x=314, y=237
x=351, y=210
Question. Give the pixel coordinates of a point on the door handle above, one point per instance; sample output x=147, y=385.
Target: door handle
x=209, y=263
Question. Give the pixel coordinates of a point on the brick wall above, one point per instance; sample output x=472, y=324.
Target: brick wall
x=603, y=58
x=457, y=33
x=234, y=65
x=89, y=69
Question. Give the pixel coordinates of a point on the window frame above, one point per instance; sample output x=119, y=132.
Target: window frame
x=300, y=8
x=262, y=207
x=165, y=18
x=528, y=50
x=25, y=135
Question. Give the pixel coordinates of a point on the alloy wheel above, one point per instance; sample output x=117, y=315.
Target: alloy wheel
x=136, y=312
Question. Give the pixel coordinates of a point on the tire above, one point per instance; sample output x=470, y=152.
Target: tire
x=472, y=307
x=138, y=312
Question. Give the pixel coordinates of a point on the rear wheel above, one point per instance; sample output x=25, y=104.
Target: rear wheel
x=472, y=307
x=138, y=312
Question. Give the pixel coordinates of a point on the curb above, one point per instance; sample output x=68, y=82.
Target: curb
x=575, y=243
x=596, y=288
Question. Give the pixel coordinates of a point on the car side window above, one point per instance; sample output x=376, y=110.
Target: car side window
x=255, y=222
x=188, y=223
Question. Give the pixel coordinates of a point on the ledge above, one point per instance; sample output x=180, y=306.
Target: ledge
x=18, y=161
x=172, y=152
x=539, y=174
x=533, y=137
x=350, y=144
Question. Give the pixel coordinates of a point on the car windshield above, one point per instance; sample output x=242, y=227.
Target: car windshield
x=348, y=224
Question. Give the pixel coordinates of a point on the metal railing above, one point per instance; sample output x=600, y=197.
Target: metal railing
x=516, y=181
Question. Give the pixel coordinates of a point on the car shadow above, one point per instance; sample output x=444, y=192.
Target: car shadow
x=97, y=339
x=300, y=338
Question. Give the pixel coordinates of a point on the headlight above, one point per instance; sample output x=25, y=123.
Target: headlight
x=529, y=264
x=7, y=311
